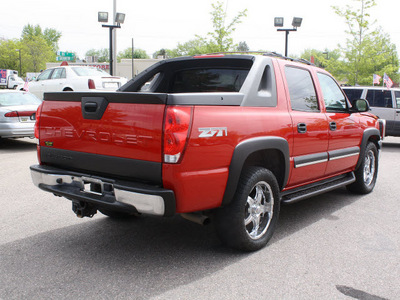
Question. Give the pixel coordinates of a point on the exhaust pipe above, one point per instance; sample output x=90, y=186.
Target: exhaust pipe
x=197, y=218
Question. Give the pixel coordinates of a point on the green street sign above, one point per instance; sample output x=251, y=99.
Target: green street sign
x=65, y=54
x=65, y=58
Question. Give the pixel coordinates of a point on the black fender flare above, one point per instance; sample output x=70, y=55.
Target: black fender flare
x=243, y=150
x=368, y=133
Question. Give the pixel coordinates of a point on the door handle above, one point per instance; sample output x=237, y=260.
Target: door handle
x=332, y=126
x=90, y=107
x=301, y=127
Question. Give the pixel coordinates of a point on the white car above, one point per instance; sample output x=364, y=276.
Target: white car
x=74, y=78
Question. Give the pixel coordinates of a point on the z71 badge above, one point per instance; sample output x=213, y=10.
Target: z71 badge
x=213, y=131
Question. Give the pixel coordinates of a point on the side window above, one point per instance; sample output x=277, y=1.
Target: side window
x=397, y=95
x=301, y=89
x=58, y=73
x=333, y=96
x=380, y=98
x=353, y=94
x=45, y=75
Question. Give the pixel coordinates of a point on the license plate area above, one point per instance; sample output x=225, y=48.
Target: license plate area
x=110, y=85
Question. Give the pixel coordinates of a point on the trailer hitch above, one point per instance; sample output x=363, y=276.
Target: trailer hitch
x=83, y=209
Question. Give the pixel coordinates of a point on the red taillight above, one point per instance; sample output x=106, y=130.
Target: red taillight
x=91, y=84
x=12, y=114
x=176, y=129
x=26, y=113
x=38, y=111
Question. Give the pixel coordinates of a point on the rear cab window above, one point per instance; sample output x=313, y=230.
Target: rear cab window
x=206, y=75
x=206, y=80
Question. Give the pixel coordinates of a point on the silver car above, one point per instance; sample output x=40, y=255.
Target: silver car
x=17, y=114
x=384, y=102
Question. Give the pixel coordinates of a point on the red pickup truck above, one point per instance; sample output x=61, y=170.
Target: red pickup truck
x=226, y=138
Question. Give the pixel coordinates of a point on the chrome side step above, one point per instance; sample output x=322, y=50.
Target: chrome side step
x=317, y=188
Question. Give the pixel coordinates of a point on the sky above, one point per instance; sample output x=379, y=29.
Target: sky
x=159, y=24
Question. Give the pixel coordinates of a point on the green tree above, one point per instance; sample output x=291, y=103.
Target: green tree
x=50, y=35
x=368, y=50
x=9, y=56
x=165, y=53
x=36, y=48
x=30, y=31
x=219, y=40
x=328, y=59
x=222, y=34
x=41, y=47
x=198, y=45
x=36, y=53
x=101, y=54
x=127, y=54
x=242, y=46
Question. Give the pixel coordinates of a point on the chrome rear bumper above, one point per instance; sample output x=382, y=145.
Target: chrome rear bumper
x=104, y=192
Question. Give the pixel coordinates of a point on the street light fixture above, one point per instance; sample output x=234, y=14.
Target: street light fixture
x=102, y=16
x=278, y=22
x=119, y=19
x=296, y=22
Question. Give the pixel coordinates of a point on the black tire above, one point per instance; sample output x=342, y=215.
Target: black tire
x=367, y=172
x=117, y=215
x=255, y=203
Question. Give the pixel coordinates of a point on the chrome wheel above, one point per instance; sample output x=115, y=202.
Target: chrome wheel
x=369, y=167
x=248, y=222
x=259, y=210
x=366, y=174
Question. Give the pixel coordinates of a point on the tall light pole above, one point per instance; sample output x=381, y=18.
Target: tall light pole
x=114, y=18
x=20, y=62
x=118, y=20
x=278, y=22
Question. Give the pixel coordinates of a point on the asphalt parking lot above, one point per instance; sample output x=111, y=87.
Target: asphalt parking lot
x=335, y=246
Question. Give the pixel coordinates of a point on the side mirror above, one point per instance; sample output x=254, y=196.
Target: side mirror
x=360, y=105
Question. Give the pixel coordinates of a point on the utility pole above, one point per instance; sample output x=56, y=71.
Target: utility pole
x=133, y=52
x=114, y=37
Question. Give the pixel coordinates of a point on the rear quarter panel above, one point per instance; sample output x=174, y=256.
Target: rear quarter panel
x=199, y=181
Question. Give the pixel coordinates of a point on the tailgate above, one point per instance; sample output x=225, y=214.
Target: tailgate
x=117, y=134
